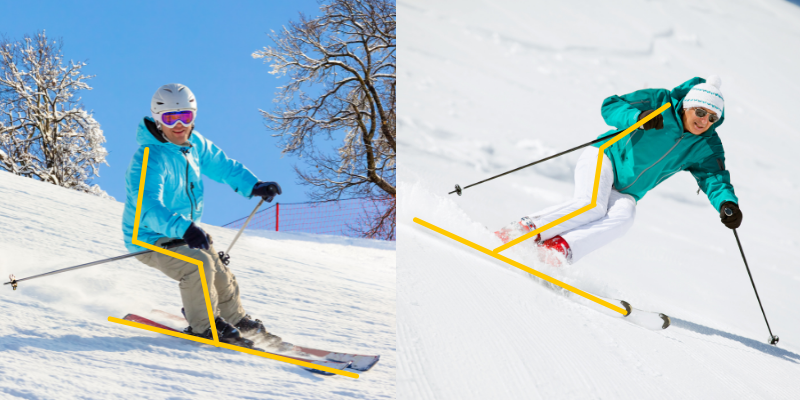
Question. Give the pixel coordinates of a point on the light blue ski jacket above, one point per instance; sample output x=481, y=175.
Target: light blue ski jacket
x=173, y=190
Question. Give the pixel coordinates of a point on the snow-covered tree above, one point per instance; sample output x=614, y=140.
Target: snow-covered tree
x=45, y=133
x=342, y=70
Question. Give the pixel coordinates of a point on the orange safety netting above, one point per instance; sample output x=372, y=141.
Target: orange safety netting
x=348, y=217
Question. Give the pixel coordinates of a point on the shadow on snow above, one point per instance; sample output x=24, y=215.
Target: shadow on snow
x=762, y=347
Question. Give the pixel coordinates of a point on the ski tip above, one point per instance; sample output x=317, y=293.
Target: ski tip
x=326, y=363
x=667, y=322
x=364, y=363
x=377, y=358
x=627, y=306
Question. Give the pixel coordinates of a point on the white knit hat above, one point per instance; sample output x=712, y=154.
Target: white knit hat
x=706, y=95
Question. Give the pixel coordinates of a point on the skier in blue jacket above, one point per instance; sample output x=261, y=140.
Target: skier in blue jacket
x=682, y=138
x=172, y=205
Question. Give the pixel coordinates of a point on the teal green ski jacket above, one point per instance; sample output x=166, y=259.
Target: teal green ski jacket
x=643, y=159
x=173, y=189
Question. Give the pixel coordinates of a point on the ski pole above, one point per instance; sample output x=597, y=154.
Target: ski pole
x=773, y=340
x=224, y=256
x=13, y=281
x=459, y=189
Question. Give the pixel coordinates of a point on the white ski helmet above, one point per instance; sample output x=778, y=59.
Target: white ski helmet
x=172, y=97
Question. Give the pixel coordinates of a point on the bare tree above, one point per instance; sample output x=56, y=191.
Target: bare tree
x=342, y=70
x=45, y=133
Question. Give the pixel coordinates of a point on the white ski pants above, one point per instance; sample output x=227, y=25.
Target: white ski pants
x=597, y=227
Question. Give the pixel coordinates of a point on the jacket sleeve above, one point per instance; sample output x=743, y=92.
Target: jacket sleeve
x=217, y=166
x=714, y=180
x=154, y=214
x=623, y=111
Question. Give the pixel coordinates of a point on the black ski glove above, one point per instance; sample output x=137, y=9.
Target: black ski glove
x=267, y=190
x=735, y=219
x=196, y=238
x=655, y=123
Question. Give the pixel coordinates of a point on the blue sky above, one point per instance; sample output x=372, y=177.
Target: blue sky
x=135, y=47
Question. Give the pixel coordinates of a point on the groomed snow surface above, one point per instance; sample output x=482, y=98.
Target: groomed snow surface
x=56, y=342
x=488, y=86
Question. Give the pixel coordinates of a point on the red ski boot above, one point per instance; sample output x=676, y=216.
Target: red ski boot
x=517, y=229
x=555, y=251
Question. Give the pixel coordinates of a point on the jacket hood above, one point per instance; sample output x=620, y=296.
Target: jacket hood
x=680, y=92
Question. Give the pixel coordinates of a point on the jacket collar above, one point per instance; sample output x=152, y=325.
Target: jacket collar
x=153, y=129
x=149, y=134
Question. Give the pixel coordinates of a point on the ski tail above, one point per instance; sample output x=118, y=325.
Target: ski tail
x=145, y=321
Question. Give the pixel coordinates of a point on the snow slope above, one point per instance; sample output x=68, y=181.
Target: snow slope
x=56, y=342
x=489, y=86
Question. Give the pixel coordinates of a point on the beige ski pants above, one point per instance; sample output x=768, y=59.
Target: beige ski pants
x=222, y=286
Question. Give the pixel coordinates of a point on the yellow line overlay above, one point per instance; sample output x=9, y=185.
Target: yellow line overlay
x=199, y=264
x=591, y=205
x=523, y=267
x=496, y=252
x=235, y=348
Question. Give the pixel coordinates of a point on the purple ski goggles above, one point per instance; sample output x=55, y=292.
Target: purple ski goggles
x=170, y=119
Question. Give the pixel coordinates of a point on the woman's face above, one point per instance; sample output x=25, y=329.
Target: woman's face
x=178, y=134
x=694, y=124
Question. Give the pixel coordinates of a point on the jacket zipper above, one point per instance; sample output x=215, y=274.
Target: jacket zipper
x=188, y=194
x=657, y=161
x=663, y=178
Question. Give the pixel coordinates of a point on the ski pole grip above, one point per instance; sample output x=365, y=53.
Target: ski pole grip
x=728, y=211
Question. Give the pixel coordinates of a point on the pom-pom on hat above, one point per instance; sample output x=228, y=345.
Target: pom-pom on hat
x=706, y=95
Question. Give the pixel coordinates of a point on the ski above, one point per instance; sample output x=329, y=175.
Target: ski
x=326, y=363
x=651, y=320
x=358, y=362
x=646, y=319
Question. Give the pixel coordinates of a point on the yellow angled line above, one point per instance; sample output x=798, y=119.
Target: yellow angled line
x=596, y=187
x=199, y=264
x=157, y=249
x=523, y=267
x=235, y=348
x=593, y=203
x=495, y=253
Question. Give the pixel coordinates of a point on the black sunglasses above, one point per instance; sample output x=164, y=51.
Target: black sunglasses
x=702, y=113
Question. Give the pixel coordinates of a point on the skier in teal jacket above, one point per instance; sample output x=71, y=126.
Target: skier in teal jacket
x=172, y=206
x=682, y=138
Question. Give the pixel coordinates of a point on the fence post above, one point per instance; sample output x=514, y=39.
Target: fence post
x=277, y=215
